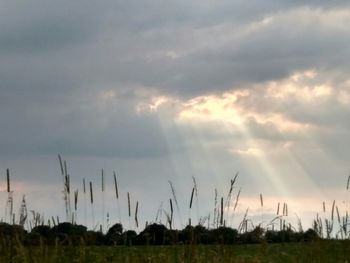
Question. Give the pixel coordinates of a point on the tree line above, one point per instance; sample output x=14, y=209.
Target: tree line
x=153, y=234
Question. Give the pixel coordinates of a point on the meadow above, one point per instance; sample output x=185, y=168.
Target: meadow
x=29, y=237
x=319, y=251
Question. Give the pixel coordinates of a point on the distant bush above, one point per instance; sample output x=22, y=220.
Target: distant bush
x=153, y=234
x=129, y=238
x=252, y=237
x=223, y=235
x=287, y=235
x=310, y=235
x=114, y=235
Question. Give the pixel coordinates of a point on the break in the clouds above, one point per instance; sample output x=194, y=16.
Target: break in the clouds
x=260, y=87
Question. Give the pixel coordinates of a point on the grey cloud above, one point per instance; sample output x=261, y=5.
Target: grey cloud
x=271, y=53
x=41, y=26
x=110, y=45
x=54, y=55
x=42, y=36
x=80, y=126
x=57, y=57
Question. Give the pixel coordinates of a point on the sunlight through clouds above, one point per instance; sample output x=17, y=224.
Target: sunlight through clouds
x=244, y=113
x=232, y=107
x=294, y=87
x=167, y=90
x=210, y=108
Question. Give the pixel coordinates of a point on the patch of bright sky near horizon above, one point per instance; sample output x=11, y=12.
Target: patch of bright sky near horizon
x=167, y=91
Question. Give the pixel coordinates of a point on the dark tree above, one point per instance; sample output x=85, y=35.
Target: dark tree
x=114, y=235
x=153, y=234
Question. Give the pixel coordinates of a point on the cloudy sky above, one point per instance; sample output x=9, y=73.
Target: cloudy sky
x=166, y=90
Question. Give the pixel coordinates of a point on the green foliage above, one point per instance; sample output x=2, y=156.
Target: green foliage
x=284, y=236
x=114, y=235
x=252, y=237
x=153, y=234
x=72, y=243
x=224, y=235
x=129, y=238
x=320, y=251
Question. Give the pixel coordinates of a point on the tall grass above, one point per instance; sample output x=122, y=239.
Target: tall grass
x=175, y=199
x=333, y=221
x=215, y=225
x=262, y=210
x=75, y=206
x=191, y=200
x=103, y=199
x=129, y=209
x=158, y=218
x=222, y=212
x=8, y=180
x=136, y=214
x=229, y=195
x=92, y=205
x=85, y=206
x=23, y=212
x=66, y=188
x=9, y=215
x=117, y=194
x=171, y=213
x=196, y=195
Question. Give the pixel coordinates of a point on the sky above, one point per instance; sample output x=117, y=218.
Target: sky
x=163, y=91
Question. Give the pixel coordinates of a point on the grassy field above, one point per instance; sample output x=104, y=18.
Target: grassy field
x=318, y=251
x=327, y=241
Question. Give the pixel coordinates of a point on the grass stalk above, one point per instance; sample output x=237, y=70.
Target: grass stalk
x=76, y=205
x=229, y=195
x=235, y=205
x=92, y=205
x=129, y=208
x=171, y=213
x=222, y=212
x=117, y=194
x=23, y=214
x=8, y=180
x=215, y=208
x=85, y=206
x=196, y=195
x=332, y=214
x=189, y=212
x=175, y=200
x=262, y=210
x=103, y=199
x=159, y=214
x=9, y=203
x=136, y=211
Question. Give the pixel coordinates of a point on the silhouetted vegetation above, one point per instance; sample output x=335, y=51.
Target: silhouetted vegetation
x=154, y=234
x=64, y=241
